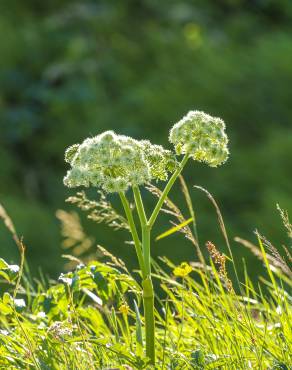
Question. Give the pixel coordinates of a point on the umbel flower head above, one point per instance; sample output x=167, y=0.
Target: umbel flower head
x=115, y=162
x=202, y=137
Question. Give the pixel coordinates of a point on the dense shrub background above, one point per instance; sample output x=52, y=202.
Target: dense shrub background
x=71, y=69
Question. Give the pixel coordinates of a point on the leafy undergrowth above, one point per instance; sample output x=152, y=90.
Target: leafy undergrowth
x=92, y=317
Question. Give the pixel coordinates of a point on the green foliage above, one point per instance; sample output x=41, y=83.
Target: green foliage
x=91, y=318
x=8, y=272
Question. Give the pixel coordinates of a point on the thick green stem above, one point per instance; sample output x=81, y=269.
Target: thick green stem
x=167, y=190
x=145, y=256
x=148, y=293
x=148, y=302
x=146, y=248
x=148, y=297
x=134, y=233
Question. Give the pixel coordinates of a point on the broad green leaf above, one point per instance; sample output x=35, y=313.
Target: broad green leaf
x=174, y=229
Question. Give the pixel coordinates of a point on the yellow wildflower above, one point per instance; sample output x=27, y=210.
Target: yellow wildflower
x=183, y=270
x=124, y=309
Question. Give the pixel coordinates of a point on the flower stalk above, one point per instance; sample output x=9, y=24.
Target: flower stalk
x=116, y=163
x=134, y=233
x=146, y=226
x=167, y=190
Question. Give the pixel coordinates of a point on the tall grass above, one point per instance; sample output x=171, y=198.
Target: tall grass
x=92, y=317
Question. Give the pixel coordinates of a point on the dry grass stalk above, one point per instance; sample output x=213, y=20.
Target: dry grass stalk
x=273, y=260
x=99, y=211
x=285, y=218
x=19, y=242
x=116, y=261
x=288, y=254
x=220, y=260
x=10, y=226
x=75, y=238
x=279, y=260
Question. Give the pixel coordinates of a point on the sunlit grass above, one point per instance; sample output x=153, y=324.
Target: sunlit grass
x=92, y=318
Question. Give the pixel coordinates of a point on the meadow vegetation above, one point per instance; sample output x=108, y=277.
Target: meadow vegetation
x=73, y=69
x=92, y=317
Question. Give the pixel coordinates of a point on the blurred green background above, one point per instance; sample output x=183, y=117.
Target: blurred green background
x=71, y=69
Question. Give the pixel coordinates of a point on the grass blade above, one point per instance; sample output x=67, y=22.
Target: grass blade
x=174, y=229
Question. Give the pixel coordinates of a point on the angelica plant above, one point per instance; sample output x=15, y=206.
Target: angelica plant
x=116, y=164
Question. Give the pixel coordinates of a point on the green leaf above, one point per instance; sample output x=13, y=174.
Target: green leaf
x=8, y=272
x=198, y=358
x=174, y=229
x=5, y=309
x=3, y=264
x=7, y=299
x=5, y=276
x=139, y=337
x=93, y=296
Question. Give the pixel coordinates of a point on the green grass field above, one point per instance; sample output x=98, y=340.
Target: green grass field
x=92, y=317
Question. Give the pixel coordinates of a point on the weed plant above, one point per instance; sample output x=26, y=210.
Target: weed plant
x=100, y=315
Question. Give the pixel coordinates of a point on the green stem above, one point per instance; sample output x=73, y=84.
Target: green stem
x=139, y=205
x=134, y=233
x=145, y=258
x=146, y=248
x=148, y=293
x=148, y=302
x=148, y=296
x=167, y=190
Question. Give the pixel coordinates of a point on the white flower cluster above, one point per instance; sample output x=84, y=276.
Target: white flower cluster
x=115, y=162
x=202, y=136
